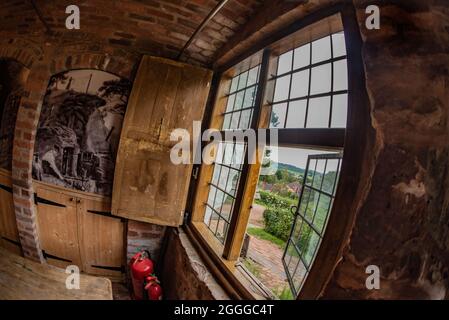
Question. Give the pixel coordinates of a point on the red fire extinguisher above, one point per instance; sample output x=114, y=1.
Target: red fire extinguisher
x=153, y=288
x=141, y=267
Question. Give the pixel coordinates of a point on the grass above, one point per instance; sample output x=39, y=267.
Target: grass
x=284, y=293
x=263, y=235
x=252, y=267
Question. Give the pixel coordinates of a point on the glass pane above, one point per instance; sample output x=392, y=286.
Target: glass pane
x=242, y=80
x=234, y=83
x=228, y=154
x=227, y=207
x=239, y=100
x=223, y=178
x=250, y=96
x=321, y=79
x=331, y=174
x=211, y=198
x=304, y=200
x=282, y=88
x=222, y=230
x=227, y=121
x=321, y=50
x=213, y=222
x=239, y=154
x=322, y=212
x=232, y=181
x=300, y=275
x=207, y=215
x=296, y=114
x=285, y=62
x=338, y=40
x=339, y=111
x=300, y=84
x=311, y=171
x=235, y=120
x=216, y=174
x=340, y=75
x=291, y=258
x=245, y=119
x=319, y=172
x=318, y=113
x=230, y=104
x=302, y=57
x=252, y=77
x=310, y=248
x=278, y=114
x=311, y=205
x=219, y=199
x=304, y=238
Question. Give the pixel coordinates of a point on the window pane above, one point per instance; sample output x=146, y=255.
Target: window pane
x=321, y=50
x=300, y=84
x=338, y=40
x=230, y=104
x=299, y=276
x=302, y=57
x=234, y=84
x=222, y=230
x=239, y=100
x=339, y=111
x=282, y=88
x=308, y=251
x=278, y=114
x=319, y=172
x=213, y=222
x=296, y=114
x=211, y=198
x=227, y=207
x=242, y=80
x=318, y=113
x=253, y=75
x=219, y=199
x=245, y=119
x=234, y=176
x=250, y=96
x=207, y=215
x=322, y=212
x=285, y=62
x=321, y=79
x=223, y=177
x=331, y=174
x=227, y=121
x=239, y=154
x=340, y=75
x=235, y=120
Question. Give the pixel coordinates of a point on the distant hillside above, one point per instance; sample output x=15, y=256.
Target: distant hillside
x=289, y=167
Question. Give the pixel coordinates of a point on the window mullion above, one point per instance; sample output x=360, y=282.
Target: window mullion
x=230, y=245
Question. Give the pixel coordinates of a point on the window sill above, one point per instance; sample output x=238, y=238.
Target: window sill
x=232, y=275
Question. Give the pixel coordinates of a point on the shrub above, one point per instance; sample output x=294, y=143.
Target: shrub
x=278, y=222
x=272, y=200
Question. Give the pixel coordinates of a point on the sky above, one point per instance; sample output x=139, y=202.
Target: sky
x=295, y=156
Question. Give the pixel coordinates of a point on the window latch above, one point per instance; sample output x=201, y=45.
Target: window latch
x=195, y=172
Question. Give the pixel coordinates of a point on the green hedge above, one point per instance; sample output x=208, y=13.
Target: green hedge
x=272, y=200
x=278, y=222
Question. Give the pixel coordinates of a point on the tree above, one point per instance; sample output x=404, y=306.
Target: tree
x=121, y=87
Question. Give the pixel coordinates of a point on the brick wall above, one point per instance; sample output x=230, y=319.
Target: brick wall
x=144, y=236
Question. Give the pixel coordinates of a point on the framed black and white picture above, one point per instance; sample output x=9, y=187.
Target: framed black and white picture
x=79, y=130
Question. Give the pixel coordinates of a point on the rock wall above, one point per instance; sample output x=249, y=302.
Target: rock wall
x=184, y=275
x=403, y=224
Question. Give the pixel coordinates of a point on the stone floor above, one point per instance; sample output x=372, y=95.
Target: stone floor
x=120, y=291
x=268, y=258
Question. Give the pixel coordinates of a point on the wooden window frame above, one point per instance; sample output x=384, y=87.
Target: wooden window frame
x=354, y=138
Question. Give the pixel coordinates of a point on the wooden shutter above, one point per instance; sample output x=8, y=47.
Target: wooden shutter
x=166, y=95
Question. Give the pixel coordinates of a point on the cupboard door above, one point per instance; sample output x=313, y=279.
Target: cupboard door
x=166, y=95
x=9, y=235
x=57, y=225
x=102, y=239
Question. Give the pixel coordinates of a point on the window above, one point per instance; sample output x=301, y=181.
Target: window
x=311, y=87
x=297, y=86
